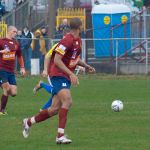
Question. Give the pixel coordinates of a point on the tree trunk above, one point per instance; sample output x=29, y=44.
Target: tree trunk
x=76, y=3
x=51, y=18
x=61, y=3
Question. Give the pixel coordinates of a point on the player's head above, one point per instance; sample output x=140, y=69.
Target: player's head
x=12, y=32
x=76, y=24
x=65, y=31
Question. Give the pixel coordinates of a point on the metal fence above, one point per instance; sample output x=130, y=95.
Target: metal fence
x=135, y=60
x=3, y=29
x=131, y=61
x=29, y=13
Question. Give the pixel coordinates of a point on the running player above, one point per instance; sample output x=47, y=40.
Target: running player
x=41, y=84
x=9, y=49
x=64, y=60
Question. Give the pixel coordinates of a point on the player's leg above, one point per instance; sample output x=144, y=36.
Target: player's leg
x=13, y=85
x=61, y=86
x=43, y=115
x=4, y=84
x=43, y=85
x=66, y=100
x=47, y=104
x=9, y=88
x=4, y=97
x=47, y=87
x=13, y=90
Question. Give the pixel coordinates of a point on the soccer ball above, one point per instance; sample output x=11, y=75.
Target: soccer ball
x=117, y=105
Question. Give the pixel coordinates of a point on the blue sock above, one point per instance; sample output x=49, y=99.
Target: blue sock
x=47, y=87
x=48, y=103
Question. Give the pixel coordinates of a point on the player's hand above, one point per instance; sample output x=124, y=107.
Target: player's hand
x=74, y=79
x=22, y=71
x=82, y=69
x=90, y=69
x=44, y=74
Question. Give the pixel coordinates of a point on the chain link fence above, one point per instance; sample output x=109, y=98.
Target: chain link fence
x=30, y=13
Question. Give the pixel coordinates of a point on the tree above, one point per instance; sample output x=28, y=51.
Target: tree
x=76, y=3
x=146, y=2
x=51, y=19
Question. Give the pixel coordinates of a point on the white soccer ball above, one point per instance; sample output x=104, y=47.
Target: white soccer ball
x=117, y=105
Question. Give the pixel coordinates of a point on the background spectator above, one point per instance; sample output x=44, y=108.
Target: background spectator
x=27, y=47
x=63, y=26
x=45, y=36
x=39, y=46
x=22, y=41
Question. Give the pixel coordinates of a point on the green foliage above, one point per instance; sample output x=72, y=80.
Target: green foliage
x=92, y=125
x=138, y=3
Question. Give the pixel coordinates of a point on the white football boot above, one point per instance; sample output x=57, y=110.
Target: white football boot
x=63, y=140
x=37, y=87
x=26, y=128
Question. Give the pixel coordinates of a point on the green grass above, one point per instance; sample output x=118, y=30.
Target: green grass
x=91, y=125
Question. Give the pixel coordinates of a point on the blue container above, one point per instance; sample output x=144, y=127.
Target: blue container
x=111, y=21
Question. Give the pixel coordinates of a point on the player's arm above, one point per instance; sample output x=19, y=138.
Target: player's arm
x=5, y=50
x=21, y=62
x=59, y=63
x=47, y=60
x=86, y=66
x=46, y=63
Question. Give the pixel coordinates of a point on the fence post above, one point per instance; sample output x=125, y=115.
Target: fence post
x=83, y=50
x=116, y=56
x=13, y=17
x=146, y=71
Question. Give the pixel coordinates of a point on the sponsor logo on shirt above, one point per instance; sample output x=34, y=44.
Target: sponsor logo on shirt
x=8, y=56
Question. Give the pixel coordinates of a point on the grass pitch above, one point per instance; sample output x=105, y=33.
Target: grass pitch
x=92, y=125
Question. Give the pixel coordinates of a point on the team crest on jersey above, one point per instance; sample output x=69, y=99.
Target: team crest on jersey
x=77, y=43
x=11, y=42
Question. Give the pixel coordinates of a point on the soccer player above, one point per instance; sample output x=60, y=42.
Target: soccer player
x=48, y=87
x=9, y=49
x=64, y=60
x=41, y=84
